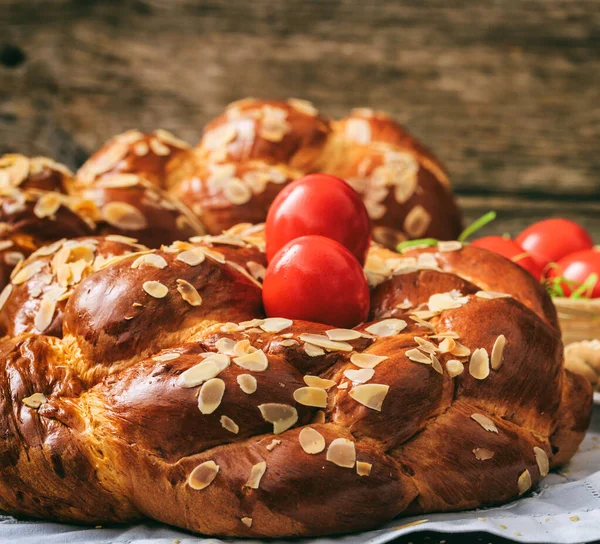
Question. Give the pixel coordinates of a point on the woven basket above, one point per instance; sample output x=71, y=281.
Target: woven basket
x=579, y=319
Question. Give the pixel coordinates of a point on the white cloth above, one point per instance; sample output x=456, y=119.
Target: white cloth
x=564, y=510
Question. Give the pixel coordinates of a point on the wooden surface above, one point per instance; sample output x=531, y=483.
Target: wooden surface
x=506, y=92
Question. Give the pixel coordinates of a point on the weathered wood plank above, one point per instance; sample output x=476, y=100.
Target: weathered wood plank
x=506, y=91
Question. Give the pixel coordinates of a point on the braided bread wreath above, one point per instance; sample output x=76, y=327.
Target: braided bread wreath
x=142, y=382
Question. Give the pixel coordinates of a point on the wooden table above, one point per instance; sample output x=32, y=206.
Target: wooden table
x=506, y=92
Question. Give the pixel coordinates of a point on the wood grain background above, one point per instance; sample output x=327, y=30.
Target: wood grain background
x=506, y=92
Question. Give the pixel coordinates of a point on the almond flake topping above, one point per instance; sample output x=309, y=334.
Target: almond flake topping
x=370, y=395
x=155, y=289
x=210, y=396
x=454, y=368
x=247, y=521
x=366, y=360
x=255, y=361
x=313, y=351
x=247, y=383
x=524, y=482
x=311, y=396
x=342, y=453
x=479, y=365
x=303, y=106
x=447, y=345
x=188, y=293
x=436, y=365
x=324, y=342
x=426, y=345
x=498, y=352
x=6, y=292
x=166, y=357
x=491, y=295
x=256, y=475
x=321, y=383
x=47, y=205
x=34, y=401
x=319, y=417
x=451, y=245
x=124, y=216
x=311, y=441
x=243, y=347
x=416, y=222
x=342, y=335
x=282, y=416
x=275, y=324
x=483, y=454
x=149, y=259
x=274, y=443
x=359, y=376
x=387, y=327
x=460, y=351
x=45, y=313
x=446, y=301
x=192, y=257
x=237, y=192
x=542, y=461
x=363, y=468
x=5, y=244
x=289, y=342
x=418, y=356
x=28, y=272
x=485, y=422
x=226, y=346
x=228, y=424
x=256, y=269
x=211, y=367
x=203, y=475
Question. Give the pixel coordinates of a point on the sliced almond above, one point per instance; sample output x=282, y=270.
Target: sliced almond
x=311, y=396
x=282, y=416
x=256, y=475
x=324, y=342
x=288, y=342
x=450, y=245
x=342, y=335
x=247, y=383
x=247, y=521
x=454, y=368
x=524, y=482
x=188, y=293
x=342, y=453
x=366, y=360
x=319, y=417
x=243, y=347
x=28, y=272
x=479, y=365
x=313, y=351
x=417, y=222
x=256, y=361
x=363, y=468
x=47, y=205
x=237, y=192
x=359, y=376
x=418, y=356
x=124, y=216
x=498, y=352
x=311, y=441
x=192, y=257
x=387, y=327
x=45, y=313
x=426, y=345
x=211, y=367
x=155, y=289
x=485, y=422
x=203, y=475
x=436, y=365
x=460, y=350
x=6, y=292
x=256, y=269
x=542, y=461
x=275, y=324
x=226, y=346
x=321, y=383
x=491, y=295
x=483, y=454
x=34, y=401
x=166, y=357
x=210, y=396
x=447, y=345
x=228, y=424
x=370, y=395
x=149, y=259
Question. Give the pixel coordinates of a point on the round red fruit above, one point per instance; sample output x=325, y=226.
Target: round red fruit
x=511, y=250
x=322, y=205
x=550, y=240
x=577, y=269
x=316, y=279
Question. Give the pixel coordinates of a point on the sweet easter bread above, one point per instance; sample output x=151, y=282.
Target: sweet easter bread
x=256, y=147
x=162, y=391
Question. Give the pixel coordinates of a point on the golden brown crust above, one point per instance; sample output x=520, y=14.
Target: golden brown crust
x=404, y=187
x=162, y=397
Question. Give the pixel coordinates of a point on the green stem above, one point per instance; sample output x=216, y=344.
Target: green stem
x=476, y=225
x=415, y=243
